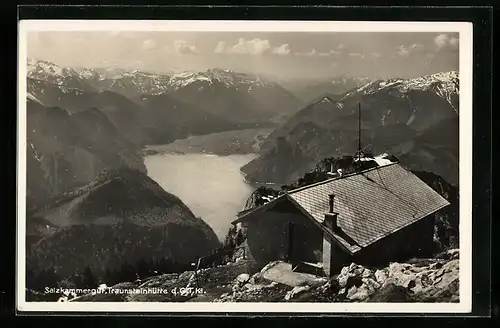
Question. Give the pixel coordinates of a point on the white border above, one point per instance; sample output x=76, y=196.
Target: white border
x=465, y=163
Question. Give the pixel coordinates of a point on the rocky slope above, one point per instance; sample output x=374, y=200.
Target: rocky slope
x=398, y=116
x=422, y=280
x=120, y=216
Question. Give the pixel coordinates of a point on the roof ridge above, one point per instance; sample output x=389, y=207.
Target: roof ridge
x=340, y=177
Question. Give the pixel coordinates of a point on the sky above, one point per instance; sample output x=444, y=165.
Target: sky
x=279, y=54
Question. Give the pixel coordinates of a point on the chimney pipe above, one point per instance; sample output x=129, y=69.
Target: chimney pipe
x=331, y=217
x=332, y=200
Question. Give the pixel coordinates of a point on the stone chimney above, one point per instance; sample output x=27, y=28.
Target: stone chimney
x=331, y=217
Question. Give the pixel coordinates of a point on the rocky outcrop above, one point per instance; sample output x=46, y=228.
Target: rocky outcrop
x=422, y=280
x=425, y=280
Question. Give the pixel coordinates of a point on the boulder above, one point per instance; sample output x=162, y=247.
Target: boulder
x=351, y=292
x=330, y=287
x=366, y=273
x=295, y=291
x=380, y=276
x=359, y=293
x=371, y=283
x=243, y=278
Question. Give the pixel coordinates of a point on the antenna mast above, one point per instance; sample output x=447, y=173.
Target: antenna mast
x=359, y=130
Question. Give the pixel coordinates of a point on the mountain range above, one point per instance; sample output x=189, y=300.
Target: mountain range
x=232, y=96
x=415, y=119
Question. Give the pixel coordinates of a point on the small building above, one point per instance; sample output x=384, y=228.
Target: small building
x=370, y=217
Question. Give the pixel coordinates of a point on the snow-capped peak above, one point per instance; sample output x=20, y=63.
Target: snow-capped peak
x=444, y=84
x=61, y=76
x=43, y=68
x=226, y=77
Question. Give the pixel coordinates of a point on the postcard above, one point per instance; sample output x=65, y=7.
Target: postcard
x=244, y=166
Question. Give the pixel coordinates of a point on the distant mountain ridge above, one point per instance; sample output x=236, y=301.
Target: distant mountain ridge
x=443, y=84
x=233, y=96
x=396, y=114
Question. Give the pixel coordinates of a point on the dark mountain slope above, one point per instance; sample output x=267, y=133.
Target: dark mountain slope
x=235, y=96
x=65, y=151
x=435, y=149
x=170, y=119
x=126, y=115
x=122, y=215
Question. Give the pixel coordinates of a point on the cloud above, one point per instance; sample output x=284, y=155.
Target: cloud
x=441, y=40
x=251, y=47
x=403, y=51
x=453, y=42
x=406, y=51
x=376, y=54
x=284, y=49
x=314, y=53
x=356, y=55
x=341, y=46
x=445, y=41
x=185, y=48
x=220, y=48
x=149, y=45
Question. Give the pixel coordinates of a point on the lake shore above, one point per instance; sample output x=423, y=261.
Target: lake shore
x=236, y=142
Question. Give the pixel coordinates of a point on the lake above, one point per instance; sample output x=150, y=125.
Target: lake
x=211, y=186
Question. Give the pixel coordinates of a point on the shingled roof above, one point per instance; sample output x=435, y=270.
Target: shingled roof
x=370, y=204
